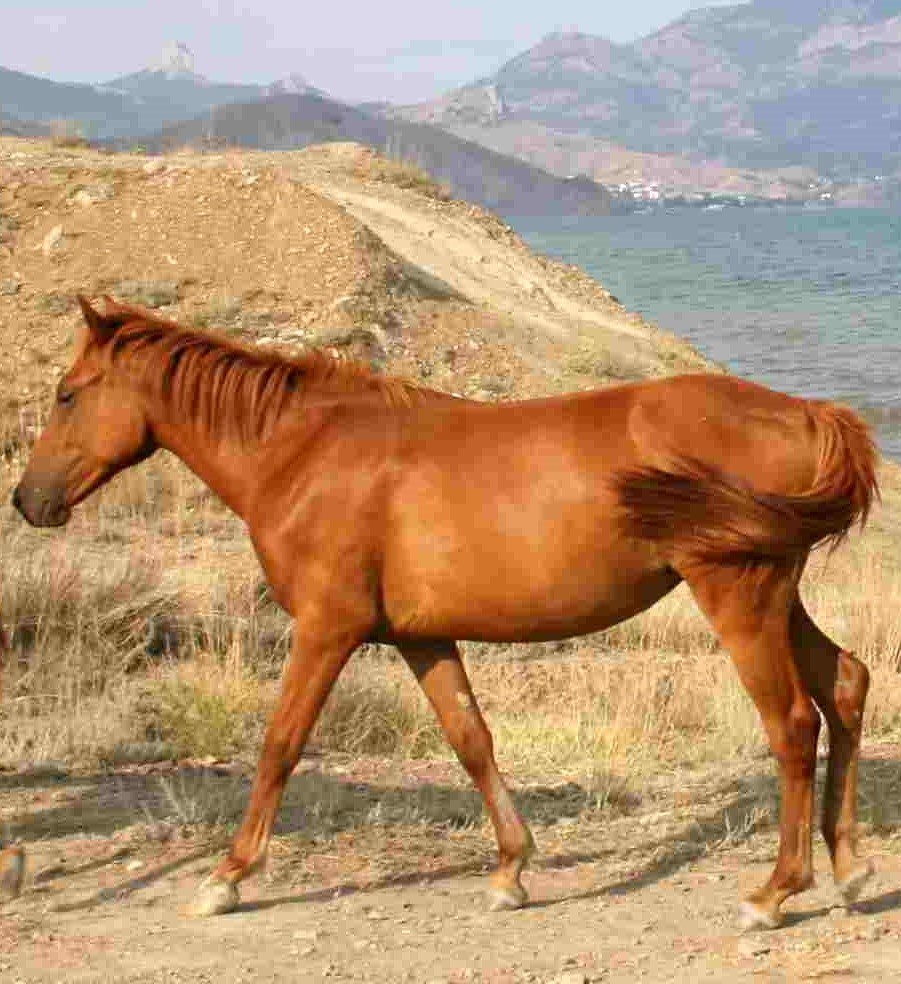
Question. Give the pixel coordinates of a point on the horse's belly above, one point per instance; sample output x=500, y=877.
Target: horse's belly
x=500, y=604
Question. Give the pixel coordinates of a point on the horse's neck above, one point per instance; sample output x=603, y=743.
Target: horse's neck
x=228, y=463
x=222, y=462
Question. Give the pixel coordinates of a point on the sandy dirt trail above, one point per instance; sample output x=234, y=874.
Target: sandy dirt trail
x=651, y=895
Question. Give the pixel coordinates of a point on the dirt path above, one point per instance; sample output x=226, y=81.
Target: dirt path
x=677, y=928
x=309, y=246
x=398, y=896
x=482, y=259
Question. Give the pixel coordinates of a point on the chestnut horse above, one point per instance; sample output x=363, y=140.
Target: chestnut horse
x=385, y=512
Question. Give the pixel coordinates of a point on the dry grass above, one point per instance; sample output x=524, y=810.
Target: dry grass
x=205, y=707
x=91, y=624
x=404, y=174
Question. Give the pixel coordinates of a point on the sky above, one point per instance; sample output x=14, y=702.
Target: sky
x=393, y=50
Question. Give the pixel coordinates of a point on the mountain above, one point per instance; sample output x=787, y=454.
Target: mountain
x=760, y=84
x=289, y=121
x=31, y=99
x=294, y=84
x=125, y=107
x=169, y=104
x=163, y=96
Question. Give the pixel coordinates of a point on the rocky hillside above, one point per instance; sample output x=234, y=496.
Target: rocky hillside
x=761, y=84
x=330, y=246
x=633, y=176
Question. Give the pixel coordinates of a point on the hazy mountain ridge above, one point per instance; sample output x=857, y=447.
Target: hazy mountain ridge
x=471, y=171
x=720, y=102
x=126, y=107
x=168, y=105
x=761, y=84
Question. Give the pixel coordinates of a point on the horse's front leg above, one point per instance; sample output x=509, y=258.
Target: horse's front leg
x=318, y=653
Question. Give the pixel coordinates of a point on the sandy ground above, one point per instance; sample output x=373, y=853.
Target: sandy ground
x=396, y=894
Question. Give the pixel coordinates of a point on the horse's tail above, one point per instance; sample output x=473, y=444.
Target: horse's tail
x=707, y=514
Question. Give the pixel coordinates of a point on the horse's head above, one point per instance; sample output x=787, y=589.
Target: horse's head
x=98, y=426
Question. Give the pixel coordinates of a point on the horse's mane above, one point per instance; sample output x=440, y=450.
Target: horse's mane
x=229, y=385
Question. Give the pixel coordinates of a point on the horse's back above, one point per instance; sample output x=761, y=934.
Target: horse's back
x=733, y=425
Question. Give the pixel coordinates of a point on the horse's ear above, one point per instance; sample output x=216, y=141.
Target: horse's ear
x=99, y=328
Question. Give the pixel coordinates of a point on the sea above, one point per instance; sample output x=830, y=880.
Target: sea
x=804, y=299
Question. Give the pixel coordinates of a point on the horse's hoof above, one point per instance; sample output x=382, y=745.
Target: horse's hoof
x=506, y=899
x=12, y=872
x=214, y=897
x=850, y=888
x=751, y=916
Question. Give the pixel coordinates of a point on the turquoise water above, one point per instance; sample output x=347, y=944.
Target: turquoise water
x=807, y=300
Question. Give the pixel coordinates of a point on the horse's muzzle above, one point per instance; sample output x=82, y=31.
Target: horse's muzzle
x=40, y=507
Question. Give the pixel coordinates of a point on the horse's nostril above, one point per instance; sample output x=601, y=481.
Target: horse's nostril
x=17, y=499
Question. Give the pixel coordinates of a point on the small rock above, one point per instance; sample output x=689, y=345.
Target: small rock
x=134, y=865
x=10, y=286
x=52, y=240
x=154, y=167
x=752, y=948
x=570, y=977
x=159, y=831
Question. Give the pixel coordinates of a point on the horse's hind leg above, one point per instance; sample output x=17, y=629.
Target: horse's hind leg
x=839, y=683
x=750, y=612
x=441, y=675
x=12, y=872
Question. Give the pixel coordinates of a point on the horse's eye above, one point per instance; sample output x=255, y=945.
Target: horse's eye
x=65, y=398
